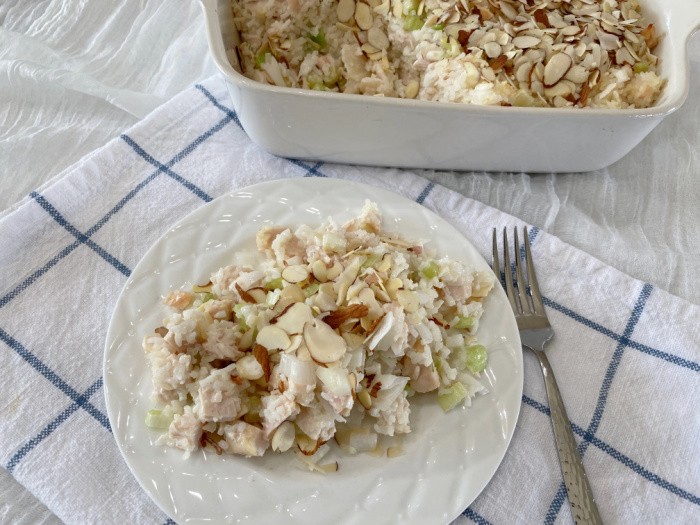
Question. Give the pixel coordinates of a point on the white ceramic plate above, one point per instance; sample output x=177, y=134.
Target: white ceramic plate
x=449, y=458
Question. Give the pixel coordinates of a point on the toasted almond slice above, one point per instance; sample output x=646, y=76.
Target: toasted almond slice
x=338, y=317
x=292, y=292
x=283, y=437
x=261, y=355
x=318, y=268
x=293, y=319
x=369, y=49
x=248, y=367
x=556, y=68
x=345, y=10
x=408, y=299
x=334, y=271
x=245, y=296
x=392, y=286
x=295, y=273
x=526, y=41
x=363, y=16
x=364, y=398
x=325, y=346
x=377, y=38
x=273, y=337
x=258, y=294
x=306, y=445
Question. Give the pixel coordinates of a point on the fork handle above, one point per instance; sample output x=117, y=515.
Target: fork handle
x=583, y=506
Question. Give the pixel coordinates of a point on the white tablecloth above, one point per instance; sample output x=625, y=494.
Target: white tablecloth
x=75, y=74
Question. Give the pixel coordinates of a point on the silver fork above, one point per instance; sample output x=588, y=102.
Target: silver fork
x=535, y=331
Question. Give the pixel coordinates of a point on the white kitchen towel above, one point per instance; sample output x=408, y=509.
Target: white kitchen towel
x=626, y=354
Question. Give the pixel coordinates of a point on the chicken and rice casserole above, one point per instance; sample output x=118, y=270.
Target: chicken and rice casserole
x=552, y=53
x=325, y=333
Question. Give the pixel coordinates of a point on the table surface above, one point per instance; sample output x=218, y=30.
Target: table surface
x=74, y=75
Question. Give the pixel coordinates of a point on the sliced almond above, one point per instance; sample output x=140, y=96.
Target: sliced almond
x=363, y=16
x=293, y=293
x=273, y=337
x=245, y=296
x=295, y=273
x=526, y=41
x=334, y=271
x=345, y=10
x=261, y=355
x=364, y=398
x=292, y=321
x=248, y=367
x=324, y=344
x=319, y=270
x=392, y=286
x=338, y=317
x=377, y=38
x=556, y=68
x=258, y=294
x=408, y=299
x=306, y=445
x=283, y=437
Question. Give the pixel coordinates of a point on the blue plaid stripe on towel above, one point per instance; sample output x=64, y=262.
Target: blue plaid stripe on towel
x=626, y=355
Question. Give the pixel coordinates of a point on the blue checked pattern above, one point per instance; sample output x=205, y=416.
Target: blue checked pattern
x=624, y=342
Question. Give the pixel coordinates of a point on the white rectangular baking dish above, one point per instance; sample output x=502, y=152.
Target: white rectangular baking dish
x=357, y=129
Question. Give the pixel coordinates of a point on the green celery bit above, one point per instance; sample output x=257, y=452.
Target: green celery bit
x=476, y=358
x=207, y=297
x=452, y=396
x=431, y=271
x=319, y=39
x=412, y=23
x=274, y=284
x=464, y=323
x=156, y=420
x=311, y=289
x=260, y=56
x=371, y=260
x=439, y=27
x=237, y=310
x=640, y=67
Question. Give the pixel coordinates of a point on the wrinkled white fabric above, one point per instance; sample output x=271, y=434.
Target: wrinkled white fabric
x=75, y=74
x=625, y=352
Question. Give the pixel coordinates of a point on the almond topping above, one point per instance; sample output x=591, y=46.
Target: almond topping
x=339, y=316
x=345, y=10
x=556, y=68
x=261, y=356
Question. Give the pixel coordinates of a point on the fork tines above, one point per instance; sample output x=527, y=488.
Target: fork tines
x=528, y=299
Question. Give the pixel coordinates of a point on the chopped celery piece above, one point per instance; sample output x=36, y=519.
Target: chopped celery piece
x=452, y=396
x=371, y=260
x=274, y=284
x=476, y=358
x=464, y=323
x=412, y=23
x=207, y=297
x=260, y=56
x=238, y=311
x=437, y=361
x=640, y=67
x=311, y=289
x=439, y=27
x=431, y=271
x=157, y=420
x=319, y=39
